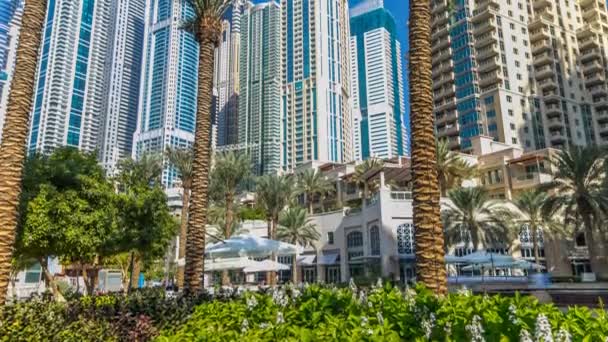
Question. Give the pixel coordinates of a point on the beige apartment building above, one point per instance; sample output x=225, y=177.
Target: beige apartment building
x=528, y=73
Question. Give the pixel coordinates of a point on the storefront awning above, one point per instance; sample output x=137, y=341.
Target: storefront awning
x=306, y=260
x=328, y=259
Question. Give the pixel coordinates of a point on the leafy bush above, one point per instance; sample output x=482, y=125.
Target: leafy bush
x=114, y=317
x=312, y=313
x=386, y=314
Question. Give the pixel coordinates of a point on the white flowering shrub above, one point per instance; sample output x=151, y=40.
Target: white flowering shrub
x=385, y=313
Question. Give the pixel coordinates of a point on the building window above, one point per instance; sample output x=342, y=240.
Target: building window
x=374, y=238
x=330, y=238
x=581, y=241
x=525, y=234
x=405, y=238
x=354, y=239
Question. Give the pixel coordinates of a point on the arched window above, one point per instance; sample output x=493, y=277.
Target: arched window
x=354, y=239
x=581, y=241
x=374, y=238
x=405, y=238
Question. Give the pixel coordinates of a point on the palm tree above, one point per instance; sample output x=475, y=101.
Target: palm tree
x=472, y=216
x=451, y=168
x=538, y=214
x=363, y=169
x=230, y=171
x=16, y=126
x=134, y=174
x=181, y=160
x=578, y=188
x=217, y=219
x=430, y=262
x=312, y=183
x=206, y=26
x=274, y=193
x=295, y=228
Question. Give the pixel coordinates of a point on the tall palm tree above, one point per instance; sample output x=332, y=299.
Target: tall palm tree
x=181, y=160
x=206, y=26
x=231, y=171
x=430, y=262
x=274, y=193
x=312, y=183
x=538, y=214
x=217, y=219
x=295, y=228
x=578, y=188
x=16, y=125
x=451, y=168
x=472, y=216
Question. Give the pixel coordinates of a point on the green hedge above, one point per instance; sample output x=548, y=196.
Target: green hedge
x=313, y=313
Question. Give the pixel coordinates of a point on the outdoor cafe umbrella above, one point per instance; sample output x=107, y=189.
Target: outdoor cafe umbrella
x=266, y=266
x=222, y=264
x=249, y=246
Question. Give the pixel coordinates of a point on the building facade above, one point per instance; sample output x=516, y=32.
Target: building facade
x=227, y=76
x=529, y=74
x=376, y=83
x=69, y=93
x=10, y=23
x=316, y=82
x=167, y=110
x=260, y=86
x=122, y=89
x=87, y=84
x=481, y=73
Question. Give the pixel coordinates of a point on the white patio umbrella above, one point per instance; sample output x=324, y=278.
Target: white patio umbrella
x=222, y=264
x=266, y=266
x=249, y=246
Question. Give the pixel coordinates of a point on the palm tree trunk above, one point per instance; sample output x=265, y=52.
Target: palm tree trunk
x=197, y=219
x=534, y=231
x=430, y=263
x=229, y=218
x=16, y=125
x=591, y=247
x=294, y=269
x=273, y=275
x=183, y=231
x=309, y=201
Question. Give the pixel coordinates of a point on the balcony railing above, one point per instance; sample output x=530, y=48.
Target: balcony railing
x=401, y=195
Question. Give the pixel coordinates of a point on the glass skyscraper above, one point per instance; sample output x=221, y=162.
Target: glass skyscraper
x=260, y=86
x=88, y=77
x=316, y=82
x=377, y=86
x=167, y=111
x=10, y=21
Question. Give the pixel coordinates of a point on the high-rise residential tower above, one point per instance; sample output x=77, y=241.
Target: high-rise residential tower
x=167, y=111
x=69, y=94
x=122, y=88
x=560, y=88
x=376, y=83
x=226, y=77
x=10, y=23
x=316, y=82
x=260, y=86
x=482, y=64
x=87, y=84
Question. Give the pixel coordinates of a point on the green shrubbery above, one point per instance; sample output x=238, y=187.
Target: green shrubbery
x=314, y=313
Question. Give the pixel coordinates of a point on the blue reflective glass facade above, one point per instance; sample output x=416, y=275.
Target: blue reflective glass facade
x=80, y=76
x=359, y=25
x=42, y=73
x=467, y=89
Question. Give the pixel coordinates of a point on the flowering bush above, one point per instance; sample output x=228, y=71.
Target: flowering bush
x=384, y=313
x=308, y=313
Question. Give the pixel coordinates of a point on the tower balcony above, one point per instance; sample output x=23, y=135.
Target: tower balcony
x=544, y=72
